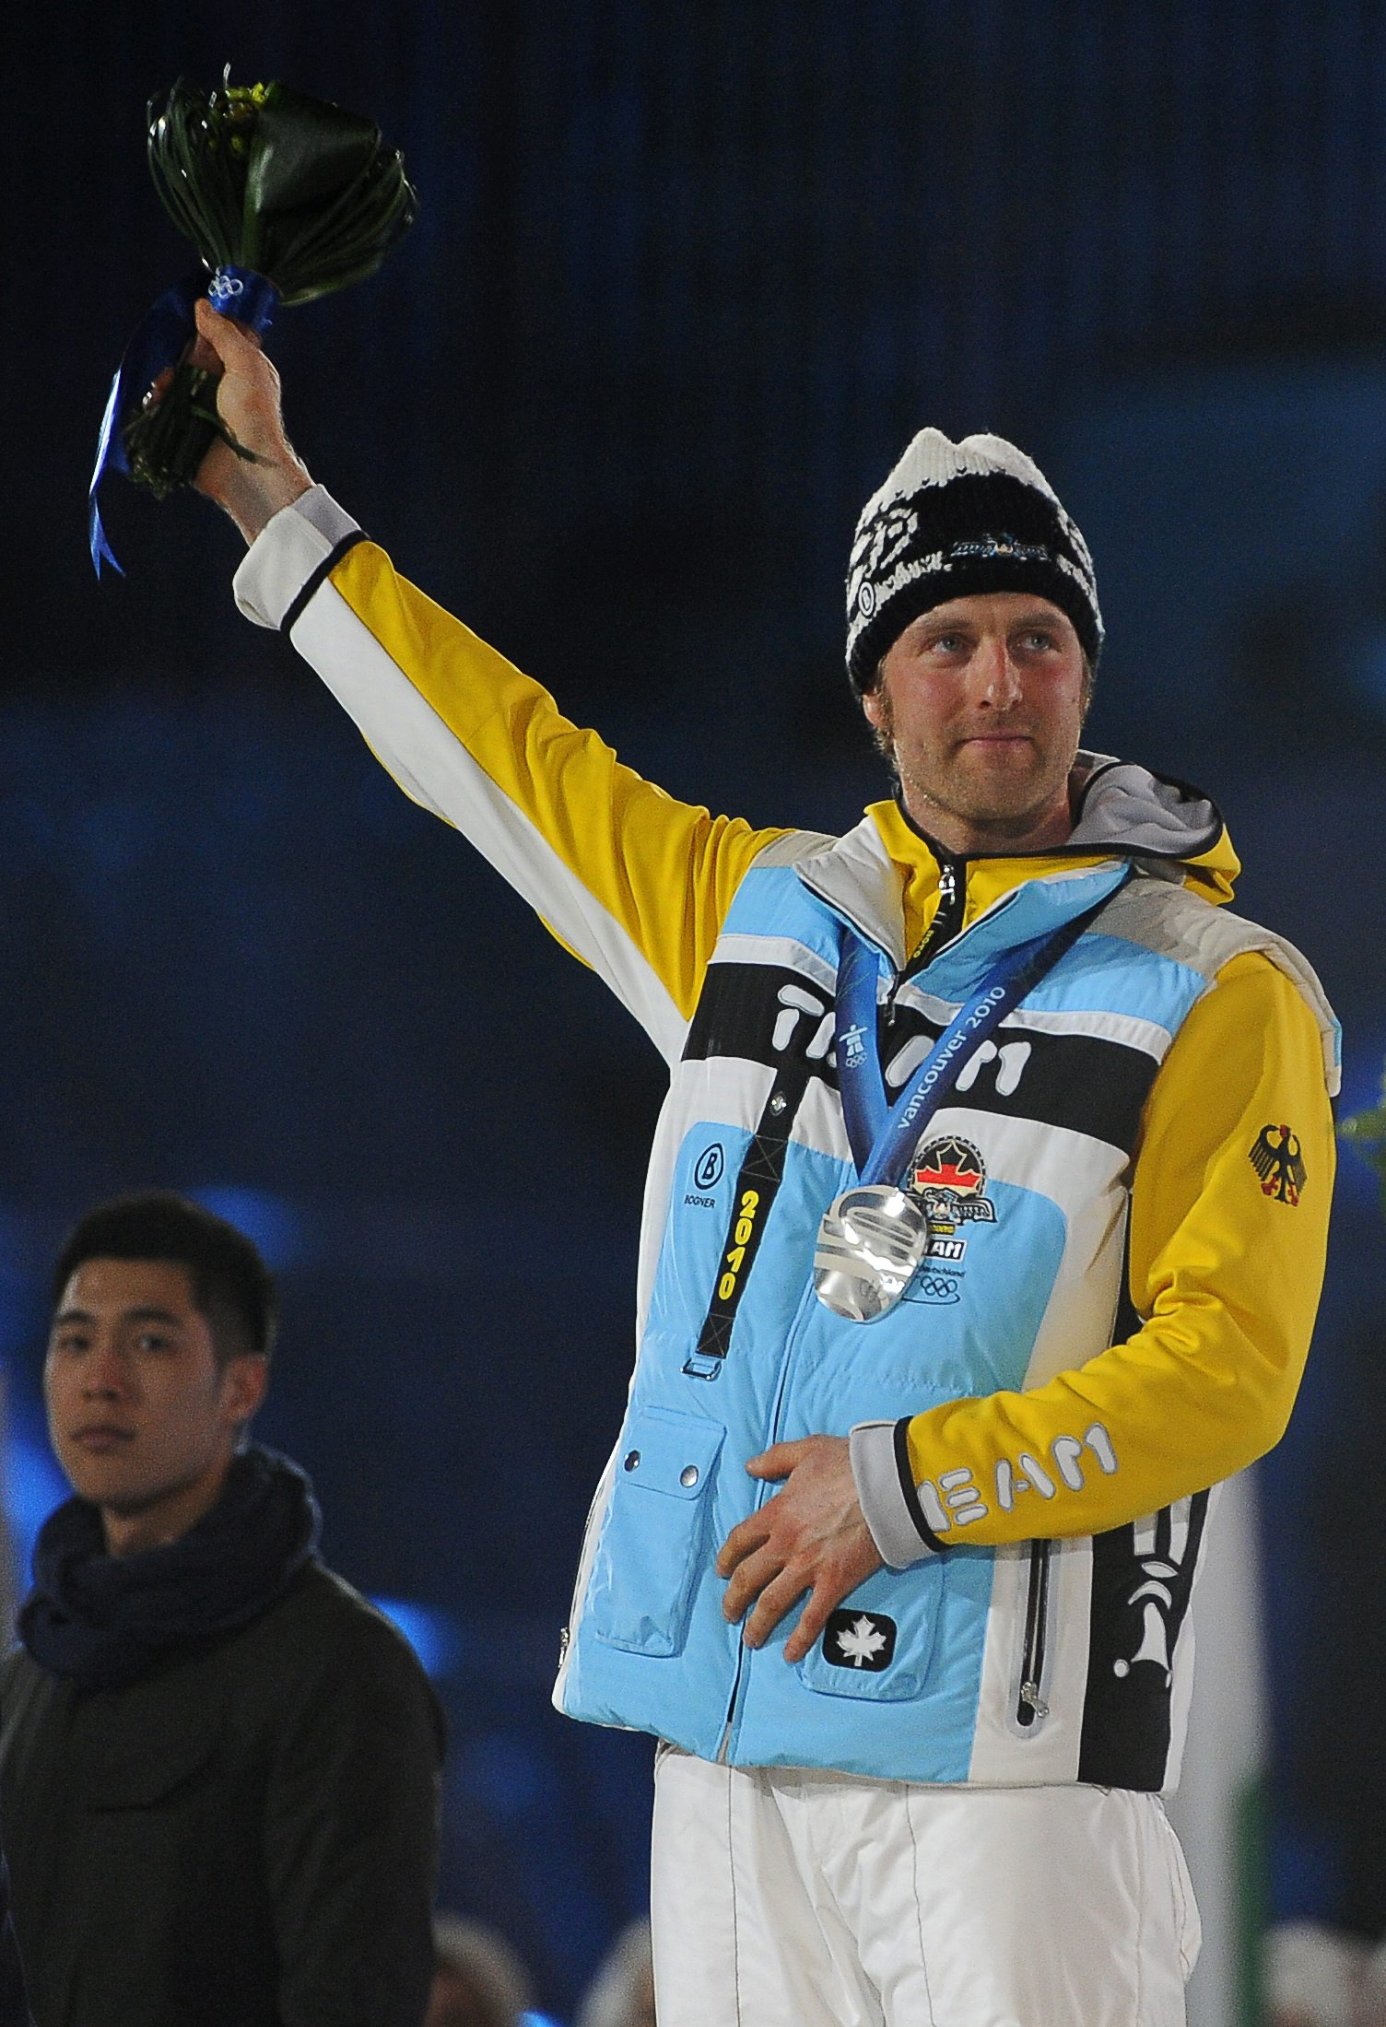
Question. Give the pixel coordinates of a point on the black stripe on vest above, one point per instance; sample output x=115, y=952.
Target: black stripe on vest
x=1126, y=1712
x=1138, y=1607
x=761, y=1012
x=757, y=1186
x=1084, y=1083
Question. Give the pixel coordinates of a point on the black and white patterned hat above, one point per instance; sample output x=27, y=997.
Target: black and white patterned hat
x=954, y=519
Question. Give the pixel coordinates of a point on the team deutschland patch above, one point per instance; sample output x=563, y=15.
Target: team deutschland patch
x=950, y=1178
x=1277, y=1157
x=864, y=1640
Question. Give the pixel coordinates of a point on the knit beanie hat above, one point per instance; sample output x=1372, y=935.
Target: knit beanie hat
x=954, y=519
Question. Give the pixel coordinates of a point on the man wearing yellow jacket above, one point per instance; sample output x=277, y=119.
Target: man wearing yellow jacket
x=984, y=1233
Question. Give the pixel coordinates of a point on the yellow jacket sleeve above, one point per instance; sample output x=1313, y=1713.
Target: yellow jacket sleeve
x=1226, y=1260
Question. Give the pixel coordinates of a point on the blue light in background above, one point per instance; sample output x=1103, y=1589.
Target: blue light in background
x=33, y=1487
x=434, y=1636
x=269, y=1222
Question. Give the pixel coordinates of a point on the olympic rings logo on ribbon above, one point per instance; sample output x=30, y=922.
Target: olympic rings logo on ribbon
x=159, y=342
x=240, y=292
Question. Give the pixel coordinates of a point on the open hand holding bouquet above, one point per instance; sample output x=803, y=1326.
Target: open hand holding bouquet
x=285, y=197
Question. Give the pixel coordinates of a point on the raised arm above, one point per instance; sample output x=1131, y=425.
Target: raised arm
x=270, y=474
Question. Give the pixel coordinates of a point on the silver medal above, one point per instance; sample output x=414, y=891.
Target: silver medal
x=870, y=1242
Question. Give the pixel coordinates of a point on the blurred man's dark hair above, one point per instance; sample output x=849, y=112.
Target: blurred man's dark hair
x=232, y=1287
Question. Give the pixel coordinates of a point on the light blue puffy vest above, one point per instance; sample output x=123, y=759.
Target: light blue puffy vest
x=736, y=1352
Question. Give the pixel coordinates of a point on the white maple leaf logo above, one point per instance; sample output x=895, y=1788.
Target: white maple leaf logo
x=861, y=1641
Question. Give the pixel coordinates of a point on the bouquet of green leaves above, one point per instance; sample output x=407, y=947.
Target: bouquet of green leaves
x=285, y=197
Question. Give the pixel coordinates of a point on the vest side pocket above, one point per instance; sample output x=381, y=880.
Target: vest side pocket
x=653, y=1539
x=878, y=1652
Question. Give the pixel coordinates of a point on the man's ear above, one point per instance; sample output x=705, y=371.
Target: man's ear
x=244, y=1384
x=873, y=704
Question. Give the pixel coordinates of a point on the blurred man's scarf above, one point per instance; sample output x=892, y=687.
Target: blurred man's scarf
x=104, y=1620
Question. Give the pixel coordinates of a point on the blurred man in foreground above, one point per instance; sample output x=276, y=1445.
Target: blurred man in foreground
x=218, y=1764
x=986, y=1220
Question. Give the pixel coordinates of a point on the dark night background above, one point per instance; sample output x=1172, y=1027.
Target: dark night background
x=685, y=279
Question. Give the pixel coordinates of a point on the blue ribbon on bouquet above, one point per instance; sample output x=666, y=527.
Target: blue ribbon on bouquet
x=159, y=343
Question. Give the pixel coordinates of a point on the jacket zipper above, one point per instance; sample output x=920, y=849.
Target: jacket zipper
x=944, y=929
x=1030, y=1703
x=767, y=1491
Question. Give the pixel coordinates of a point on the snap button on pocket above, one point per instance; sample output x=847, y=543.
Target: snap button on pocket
x=653, y=1544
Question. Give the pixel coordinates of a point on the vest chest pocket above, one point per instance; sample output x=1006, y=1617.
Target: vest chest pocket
x=653, y=1539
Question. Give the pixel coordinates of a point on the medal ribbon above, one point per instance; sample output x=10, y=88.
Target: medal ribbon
x=884, y=1136
x=159, y=342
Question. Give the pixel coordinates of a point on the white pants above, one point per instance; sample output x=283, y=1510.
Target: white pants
x=790, y=1898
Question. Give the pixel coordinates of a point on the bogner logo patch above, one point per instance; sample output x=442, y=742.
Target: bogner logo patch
x=864, y=1640
x=707, y=1173
x=950, y=1178
x=1277, y=1157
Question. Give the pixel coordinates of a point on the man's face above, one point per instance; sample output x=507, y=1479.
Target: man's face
x=142, y=1418
x=981, y=701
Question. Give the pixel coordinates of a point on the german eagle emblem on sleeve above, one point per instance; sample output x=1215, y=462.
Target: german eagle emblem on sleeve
x=1277, y=1159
